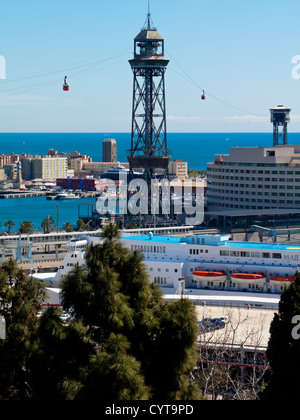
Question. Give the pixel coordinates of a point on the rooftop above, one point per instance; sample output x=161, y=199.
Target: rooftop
x=213, y=240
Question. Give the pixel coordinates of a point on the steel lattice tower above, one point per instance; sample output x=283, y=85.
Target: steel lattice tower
x=149, y=134
x=149, y=150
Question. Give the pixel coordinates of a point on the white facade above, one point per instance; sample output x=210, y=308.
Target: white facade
x=255, y=178
x=171, y=259
x=44, y=168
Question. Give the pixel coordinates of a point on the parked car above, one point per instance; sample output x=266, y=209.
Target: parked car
x=225, y=319
x=217, y=323
x=208, y=324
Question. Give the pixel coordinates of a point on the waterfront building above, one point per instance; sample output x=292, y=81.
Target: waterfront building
x=83, y=184
x=49, y=168
x=83, y=168
x=11, y=171
x=255, y=181
x=178, y=169
x=2, y=175
x=109, y=150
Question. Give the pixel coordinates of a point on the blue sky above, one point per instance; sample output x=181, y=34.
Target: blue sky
x=239, y=52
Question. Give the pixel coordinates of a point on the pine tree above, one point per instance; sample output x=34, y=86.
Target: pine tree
x=21, y=298
x=283, y=350
x=113, y=374
x=61, y=352
x=115, y=300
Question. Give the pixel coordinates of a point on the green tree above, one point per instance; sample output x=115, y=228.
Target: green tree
x=284, y=348
x=114, y=298
x=48, y=224
x=19, y=306
x=81, y=225
x=61, y=351
x=9, y=224
x=114, y=374
x=26, y=227
x=68, y=227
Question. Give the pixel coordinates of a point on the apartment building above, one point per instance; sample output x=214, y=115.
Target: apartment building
x=44, y=168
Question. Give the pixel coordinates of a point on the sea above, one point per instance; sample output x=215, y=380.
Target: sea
x=195, y=148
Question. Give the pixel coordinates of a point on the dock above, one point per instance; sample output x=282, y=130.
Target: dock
x=50, y=196
x=21, y=194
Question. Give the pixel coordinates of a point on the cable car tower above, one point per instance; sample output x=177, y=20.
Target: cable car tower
x=149, y=150
x=280, y=117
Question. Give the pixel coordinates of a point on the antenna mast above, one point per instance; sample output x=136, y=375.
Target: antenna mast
x=149, y=16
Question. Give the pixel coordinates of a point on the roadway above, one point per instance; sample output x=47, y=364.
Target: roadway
x=250, y=315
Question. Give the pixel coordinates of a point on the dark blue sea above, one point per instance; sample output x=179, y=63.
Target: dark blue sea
x=195, y=148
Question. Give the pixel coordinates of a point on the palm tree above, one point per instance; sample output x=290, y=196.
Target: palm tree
x=80, y=224
x=48, y=224
x=26, y=227
x=9, y=224
x=68, y=227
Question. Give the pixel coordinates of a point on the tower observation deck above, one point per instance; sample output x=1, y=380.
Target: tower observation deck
x=280, y=117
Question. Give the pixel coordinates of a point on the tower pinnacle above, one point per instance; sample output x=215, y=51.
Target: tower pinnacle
x=149, y=23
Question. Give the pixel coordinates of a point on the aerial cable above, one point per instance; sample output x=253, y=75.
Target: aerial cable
x=67, y=68
x=71, y=70
x=189, y=79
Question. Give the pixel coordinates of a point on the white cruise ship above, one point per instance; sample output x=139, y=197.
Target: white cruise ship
x=205, y=262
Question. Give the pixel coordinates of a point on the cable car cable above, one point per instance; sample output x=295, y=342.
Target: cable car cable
x=194, y=83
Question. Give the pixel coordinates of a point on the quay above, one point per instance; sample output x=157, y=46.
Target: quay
x=50, y=196
x=89, y=194
x=20, y=194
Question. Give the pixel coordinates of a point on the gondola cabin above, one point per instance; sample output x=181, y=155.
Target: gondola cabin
x=66, y=87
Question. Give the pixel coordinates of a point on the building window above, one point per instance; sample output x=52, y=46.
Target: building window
x=265, y=255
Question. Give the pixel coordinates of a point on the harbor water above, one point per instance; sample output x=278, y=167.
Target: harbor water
x=36, y=209
x=195, y=148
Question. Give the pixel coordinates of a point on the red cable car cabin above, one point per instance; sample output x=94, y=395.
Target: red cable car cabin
x=66, y=87
x=203, y=96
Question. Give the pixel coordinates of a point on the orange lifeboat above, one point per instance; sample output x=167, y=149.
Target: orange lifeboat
x=281, y=281
x=209, y=276
x=249, y=277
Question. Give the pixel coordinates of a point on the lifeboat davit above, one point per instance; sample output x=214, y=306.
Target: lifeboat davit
x=281, y=281
x=209, y=276
x=249, y=277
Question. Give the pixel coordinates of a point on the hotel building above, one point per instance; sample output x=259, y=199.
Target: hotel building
x=256, y=178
